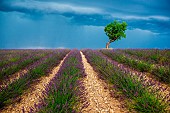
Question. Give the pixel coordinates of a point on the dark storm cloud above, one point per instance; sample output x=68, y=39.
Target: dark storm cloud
x=46, y=7
x=127, y=9
x=95, y=9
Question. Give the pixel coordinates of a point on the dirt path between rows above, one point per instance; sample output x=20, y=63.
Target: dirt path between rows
x=12, y=78
x=29, y=99
x=98, y=97
x=21, y=73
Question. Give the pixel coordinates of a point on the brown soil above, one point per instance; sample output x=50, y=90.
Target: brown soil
x=98, y=97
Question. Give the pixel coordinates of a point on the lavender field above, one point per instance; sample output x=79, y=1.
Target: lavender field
x=87, y=81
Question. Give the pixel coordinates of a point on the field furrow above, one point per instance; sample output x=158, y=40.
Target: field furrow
x=145, y=78
x=160, y=57
x=138, y=96
x=11, y=56
x=143, y=59
x=34, y=95
x=12, y=93
x=85, y=81
x=160, y=73
x=23, y=72
x=14, y=67
x=12, y=78
x=66, y=94
x=98, y=95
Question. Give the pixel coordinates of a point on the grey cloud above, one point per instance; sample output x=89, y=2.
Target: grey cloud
x=47, y=7
x=52, y=7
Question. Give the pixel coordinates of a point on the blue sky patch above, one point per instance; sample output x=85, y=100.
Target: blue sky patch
x=80, y=24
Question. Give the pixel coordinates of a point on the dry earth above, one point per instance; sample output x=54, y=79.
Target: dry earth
x=98, y=97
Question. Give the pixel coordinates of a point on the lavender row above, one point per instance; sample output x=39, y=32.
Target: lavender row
x=161, y=57
x=7, y=57
x=44, y=56
x=20, y=58
x=65, y=92
x=145, y=79
x=160, y=73
x=14, y=67
x=11, y=94
x=138, y=96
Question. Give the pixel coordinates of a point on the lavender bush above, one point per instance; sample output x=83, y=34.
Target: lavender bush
x=65, y=92
x=161, y=73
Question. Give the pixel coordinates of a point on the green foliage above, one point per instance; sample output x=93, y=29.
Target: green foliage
x=139, y=97
x=14, y=59
x=14, y=68
x=10, y=94
x=115, y=30
x=162, y=73
x=160, y=57
x=63, y=96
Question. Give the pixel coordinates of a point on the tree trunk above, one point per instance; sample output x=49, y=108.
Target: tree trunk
x=107, y=45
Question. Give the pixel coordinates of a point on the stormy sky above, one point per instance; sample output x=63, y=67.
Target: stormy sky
x=80, y=23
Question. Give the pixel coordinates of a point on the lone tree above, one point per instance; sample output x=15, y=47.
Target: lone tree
x=115, y=31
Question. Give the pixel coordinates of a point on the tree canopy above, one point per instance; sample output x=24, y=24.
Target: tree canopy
x=115, y=31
